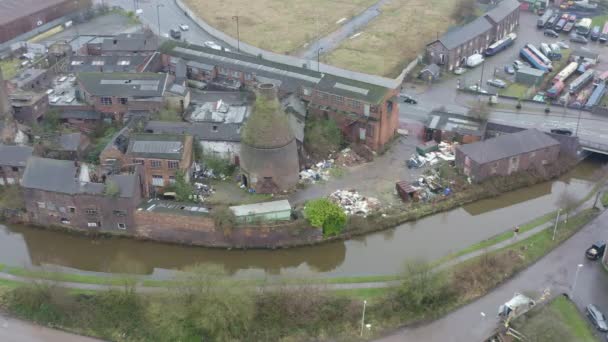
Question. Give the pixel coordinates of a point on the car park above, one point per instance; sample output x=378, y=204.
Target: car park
x=213, y=45
x=551, y=33
x=509, y=69
x=498, y=83
x=575, y=38
x=596, y=317
x=184, y=27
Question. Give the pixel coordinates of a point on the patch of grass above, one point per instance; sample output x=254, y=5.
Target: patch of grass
x=63, y=277
x=9, y=67
x=361, y=279
x=262, y=21
x=395, y=37
x=167, y=115
x=337, y=172
x=11, y=197
x=557, y=320
x=516, y=90
x=362, y=294
x=605, y=199
x=600, y=20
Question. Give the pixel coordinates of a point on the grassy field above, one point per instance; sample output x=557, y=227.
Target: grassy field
x=395, y=37
x=9, y=67
x=558, y=320
x=517, y=90
x=600, y=20
x=281, y=26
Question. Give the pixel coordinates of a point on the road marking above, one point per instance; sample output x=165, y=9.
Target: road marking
x=355, y=35
x=341, y=21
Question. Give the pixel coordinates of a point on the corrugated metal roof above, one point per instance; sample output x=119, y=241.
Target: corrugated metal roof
x=261, y=208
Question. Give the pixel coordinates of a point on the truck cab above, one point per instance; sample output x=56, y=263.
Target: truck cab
x=596, y=250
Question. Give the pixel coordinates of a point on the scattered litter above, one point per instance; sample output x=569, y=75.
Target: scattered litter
x=348, y=157
x=318, y=172
x=353, y=203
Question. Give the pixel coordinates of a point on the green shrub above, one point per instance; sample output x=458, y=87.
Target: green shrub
x=321, y=137
x=322, y=213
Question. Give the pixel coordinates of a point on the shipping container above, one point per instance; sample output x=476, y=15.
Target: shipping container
x=581, y=81
x=596, y=97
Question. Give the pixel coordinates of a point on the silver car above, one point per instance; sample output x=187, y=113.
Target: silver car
x=497, y=83
x=597, y=317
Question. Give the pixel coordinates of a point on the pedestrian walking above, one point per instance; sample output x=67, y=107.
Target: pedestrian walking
x=515, y=231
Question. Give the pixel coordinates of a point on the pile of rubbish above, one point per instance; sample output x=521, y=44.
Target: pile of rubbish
x=353, y=203
x=318, y=172
x=433, y=155
x=348, y=157
x=203, y=172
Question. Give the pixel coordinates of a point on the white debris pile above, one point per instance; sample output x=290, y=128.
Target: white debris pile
x=353, y=203
x=318, y=172
x=446, y=151
x=348, y=157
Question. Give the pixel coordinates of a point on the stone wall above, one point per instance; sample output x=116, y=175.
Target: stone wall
x=201, y=231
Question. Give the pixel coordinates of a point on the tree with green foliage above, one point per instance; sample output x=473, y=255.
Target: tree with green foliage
x=223, y=217
x=184, y=190
x=111, y=189
x=322, y=213
x=322, y=136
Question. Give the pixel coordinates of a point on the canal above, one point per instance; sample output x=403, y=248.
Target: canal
x=375, y=254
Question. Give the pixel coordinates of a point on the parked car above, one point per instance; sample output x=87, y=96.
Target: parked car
x=562, y=131
x=596, y=317
x=213, y=45
x=184, y=27
x=408, y=99
x=551, y=33
x=563, y=45
x=459, y=71
x=477, y=89
x=575, y=38
x=175, y=34
x=498, y=83
x=509, y=69
x=596, y=250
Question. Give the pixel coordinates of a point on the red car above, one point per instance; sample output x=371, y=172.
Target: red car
x=572, y=17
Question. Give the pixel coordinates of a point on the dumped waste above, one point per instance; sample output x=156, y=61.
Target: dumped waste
x=353, y=203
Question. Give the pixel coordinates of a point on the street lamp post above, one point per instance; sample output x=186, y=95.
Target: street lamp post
x=363, y=318
x=556, y=221
x=158, y=6
x=580, y=112
x=238, y=35
x=578, y=268
x=319, y=59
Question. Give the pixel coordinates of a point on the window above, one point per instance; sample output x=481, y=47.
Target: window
x=338, y=99
x=106, y=101
x=236, y=74
x=155, y=164
x=306, y=91
x=223, y=71
x=64, y=220
x=173, y=164
x=98, y=62
x=92, y=224
x=248, y=77
x=171, y=179
x=91, y=211
x=158, y=180
x=72, y=209
x=120, y=213
x=123, y=100
x=41, y=205
x=214, y=128
x=15, y=169
x=122, y=226
x=370, y=131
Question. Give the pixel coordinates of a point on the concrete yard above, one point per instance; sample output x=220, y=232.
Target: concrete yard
x=281, y=26
x=395, y=37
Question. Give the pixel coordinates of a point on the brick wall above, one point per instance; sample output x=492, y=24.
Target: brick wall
x=201, y=231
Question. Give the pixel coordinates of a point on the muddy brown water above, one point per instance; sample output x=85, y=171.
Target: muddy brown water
x=375, y=254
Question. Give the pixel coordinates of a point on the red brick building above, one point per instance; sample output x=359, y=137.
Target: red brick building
x=162, y=156
x=119, y=93
x=29, y=107
x=365, y=109
x=507, y=154
x=20, y=16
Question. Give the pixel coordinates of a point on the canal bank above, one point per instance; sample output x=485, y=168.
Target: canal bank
x=380, y=253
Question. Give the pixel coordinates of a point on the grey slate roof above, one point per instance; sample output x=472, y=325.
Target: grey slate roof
x=11, y=155
x=159, y=146
x=70, y=142
x=200, y=130
x=463, y=34
x=291, y=77
x=130, y=42
x=433, y=69
x=106, y=63
x=126, y=183
x=507, y=145
x=502, y=10
x=123, y=84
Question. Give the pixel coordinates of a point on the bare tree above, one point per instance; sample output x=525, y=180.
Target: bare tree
x=567, y=201
x=480, y=111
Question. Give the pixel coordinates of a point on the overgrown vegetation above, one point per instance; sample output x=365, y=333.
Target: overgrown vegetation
x=11, y=197
x=322, y=137
x=464, y=10
x=322, y=213
x=223, y=217
x=184, y=190
x=220, y=166
x=99, y=139
x=166, y=115
x=111, y=189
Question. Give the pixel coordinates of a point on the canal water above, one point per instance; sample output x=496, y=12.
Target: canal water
x=375, y=254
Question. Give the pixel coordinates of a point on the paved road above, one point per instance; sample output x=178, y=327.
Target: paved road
x=13, y=330
x=554, y=272
x=347, y=29
x=170, y=18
